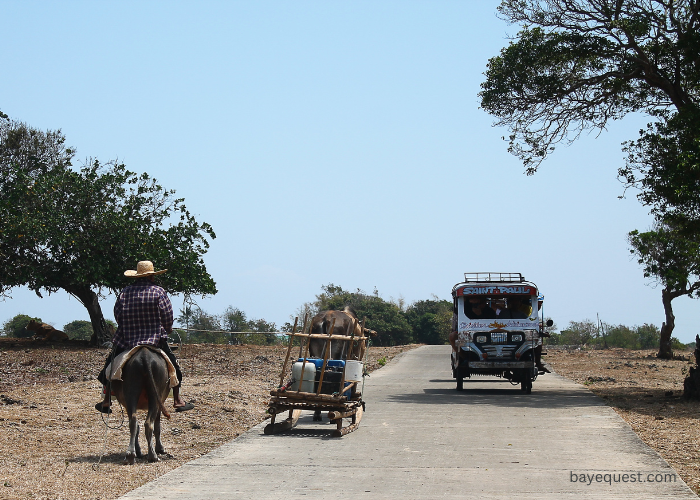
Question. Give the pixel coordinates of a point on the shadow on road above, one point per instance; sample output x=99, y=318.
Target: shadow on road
x=510, y=397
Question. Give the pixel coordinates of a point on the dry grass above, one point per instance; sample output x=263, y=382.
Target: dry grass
x=646, y=392
x=56, y=446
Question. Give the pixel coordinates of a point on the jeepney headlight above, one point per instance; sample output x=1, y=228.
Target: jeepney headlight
x=517, y=338
x=481, y=339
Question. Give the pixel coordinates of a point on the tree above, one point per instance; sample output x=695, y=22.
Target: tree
x=622, y=336
x=16, y=327
x=577, y=333
x=648, y=336
x=577, y=64
x=673, y=260
x=430, y=321
x=261, y=332
x=205, y=328
x=80, y=230
x=664, y=165
x=234, y=320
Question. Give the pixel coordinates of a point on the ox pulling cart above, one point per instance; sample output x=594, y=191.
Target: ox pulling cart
x=321, y=384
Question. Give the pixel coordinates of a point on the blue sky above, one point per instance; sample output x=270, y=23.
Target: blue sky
x=329, y=142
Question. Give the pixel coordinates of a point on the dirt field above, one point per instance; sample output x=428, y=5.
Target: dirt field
x=56, y=446
x=646, y=392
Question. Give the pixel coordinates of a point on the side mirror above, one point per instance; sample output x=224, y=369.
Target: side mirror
x=550, y=322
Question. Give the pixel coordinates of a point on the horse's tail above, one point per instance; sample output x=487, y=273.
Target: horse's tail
x=152, y=390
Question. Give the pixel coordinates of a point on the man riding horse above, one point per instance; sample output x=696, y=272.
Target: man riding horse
x=144, y=316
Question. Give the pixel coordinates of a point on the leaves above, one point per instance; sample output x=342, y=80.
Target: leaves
x=62, y=228
x=576, y=65
x=669, y=256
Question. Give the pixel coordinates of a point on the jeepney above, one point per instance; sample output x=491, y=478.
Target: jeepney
x=497, y=329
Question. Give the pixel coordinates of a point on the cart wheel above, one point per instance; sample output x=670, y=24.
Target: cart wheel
x=460, y=383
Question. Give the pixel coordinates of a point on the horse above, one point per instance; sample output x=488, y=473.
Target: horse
x=144, y=385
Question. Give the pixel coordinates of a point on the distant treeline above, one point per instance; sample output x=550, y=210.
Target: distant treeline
x=424, y=321
x=600, y=334
x=76, y=330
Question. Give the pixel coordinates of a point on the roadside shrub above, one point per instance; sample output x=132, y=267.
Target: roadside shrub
x=78, y=330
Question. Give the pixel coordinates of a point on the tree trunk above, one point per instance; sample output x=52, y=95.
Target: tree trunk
x=101, y=332
x=665, y=351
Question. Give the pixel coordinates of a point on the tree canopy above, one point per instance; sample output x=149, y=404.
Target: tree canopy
x=79, y=230
x=664, y=164
x=577, y=64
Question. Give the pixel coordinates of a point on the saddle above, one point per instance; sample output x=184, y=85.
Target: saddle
x=114, y=369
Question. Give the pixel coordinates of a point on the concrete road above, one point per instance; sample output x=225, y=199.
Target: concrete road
x=421, y=439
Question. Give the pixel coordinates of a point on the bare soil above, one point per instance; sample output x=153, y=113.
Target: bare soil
x=647, y=393
x=56, y=446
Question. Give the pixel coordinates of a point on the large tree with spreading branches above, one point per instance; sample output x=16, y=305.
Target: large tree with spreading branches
x=575, y=65
x=79, y=229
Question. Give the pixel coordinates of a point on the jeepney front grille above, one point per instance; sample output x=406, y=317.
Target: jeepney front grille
x=499, y=338
x=499, y=351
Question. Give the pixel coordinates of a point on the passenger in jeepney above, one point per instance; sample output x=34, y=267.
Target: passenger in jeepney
x=519, y=308
x=499, y=306
x=477, y=308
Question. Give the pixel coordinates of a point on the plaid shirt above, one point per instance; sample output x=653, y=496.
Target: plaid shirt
x=144, y=314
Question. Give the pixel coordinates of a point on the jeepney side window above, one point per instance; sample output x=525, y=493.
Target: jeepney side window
x=520, y=307
x=466, y=306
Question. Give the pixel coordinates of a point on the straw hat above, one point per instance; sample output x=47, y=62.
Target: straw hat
x=143, y=268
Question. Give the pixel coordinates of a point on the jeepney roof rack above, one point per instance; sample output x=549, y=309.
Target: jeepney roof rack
x=485, y=277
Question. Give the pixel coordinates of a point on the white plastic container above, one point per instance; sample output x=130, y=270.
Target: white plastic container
x=307, y=384
x=353, y=371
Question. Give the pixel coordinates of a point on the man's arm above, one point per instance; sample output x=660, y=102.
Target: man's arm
x=166, y=313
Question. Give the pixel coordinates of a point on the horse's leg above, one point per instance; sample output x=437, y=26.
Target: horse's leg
x=148, y=427
x=136, y=440
x=156, y=429
x=153, y=410
x=133, y=448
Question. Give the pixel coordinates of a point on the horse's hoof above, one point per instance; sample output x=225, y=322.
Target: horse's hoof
x=153, y=458
x=129, y=460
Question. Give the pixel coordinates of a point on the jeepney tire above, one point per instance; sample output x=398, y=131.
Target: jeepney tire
x=460, y=383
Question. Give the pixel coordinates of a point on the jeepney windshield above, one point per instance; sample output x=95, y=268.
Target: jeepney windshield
x=498, y=307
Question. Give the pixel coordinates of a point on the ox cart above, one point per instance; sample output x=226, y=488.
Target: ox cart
x=321, y=384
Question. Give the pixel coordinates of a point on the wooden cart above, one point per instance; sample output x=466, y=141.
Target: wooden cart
x=345, y=401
